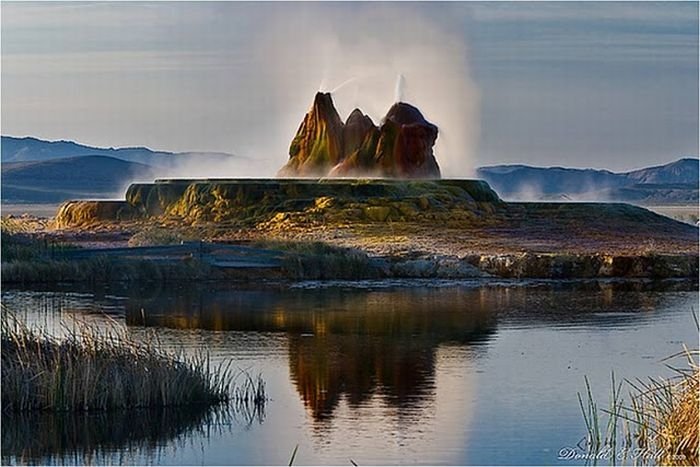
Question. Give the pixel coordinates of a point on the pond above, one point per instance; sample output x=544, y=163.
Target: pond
x=385, y=372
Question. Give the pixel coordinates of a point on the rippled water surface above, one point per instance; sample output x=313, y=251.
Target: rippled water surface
x=377, y=372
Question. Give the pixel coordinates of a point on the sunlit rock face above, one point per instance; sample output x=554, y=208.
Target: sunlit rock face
x=402, y=147
x=318, y=144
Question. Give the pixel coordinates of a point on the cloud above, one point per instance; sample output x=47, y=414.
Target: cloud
x=649, y=12
x=600, y=82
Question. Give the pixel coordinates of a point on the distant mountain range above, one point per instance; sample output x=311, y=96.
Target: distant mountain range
x=38, y=171
x=33, y=149
x=56, y=180
x=673, y=183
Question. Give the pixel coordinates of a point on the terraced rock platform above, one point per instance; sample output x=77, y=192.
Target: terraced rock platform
x=255, y=200
x=426, y=228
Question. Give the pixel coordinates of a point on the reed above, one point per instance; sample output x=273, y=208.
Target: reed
x=101, y=269
x=104, y=369
x=16, y=244
x=667, y=412
x=156, y=235
x=319, y=260
x=659, y=425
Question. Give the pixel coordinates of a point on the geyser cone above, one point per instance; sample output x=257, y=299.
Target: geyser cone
x=324, y=146
x=318, y=144
x=360, y=137
x=405, y=148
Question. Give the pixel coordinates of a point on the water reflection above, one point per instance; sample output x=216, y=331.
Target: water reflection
x=342, y=344
x=345, y=343
x=100, y=438
x=393, y=372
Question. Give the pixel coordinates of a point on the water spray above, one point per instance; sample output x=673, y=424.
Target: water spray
x=399, y=90
x=343, y=84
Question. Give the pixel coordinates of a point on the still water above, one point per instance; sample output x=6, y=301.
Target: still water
x=370, y=372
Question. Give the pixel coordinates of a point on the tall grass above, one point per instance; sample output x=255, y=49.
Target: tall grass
x=27, y=259
x=319, y=260
x=659, y=424
x=102, y=269
x=104, y=369
x=667, y=412
x=16, y=244
x=156, y=235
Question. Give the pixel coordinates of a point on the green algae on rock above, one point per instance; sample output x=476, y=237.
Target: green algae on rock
x=251, y=201
x=84, y=212
x=318, y=144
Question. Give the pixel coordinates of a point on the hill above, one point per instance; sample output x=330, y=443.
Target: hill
x=673, y=183
x=15, y=149
x=55, y=180
x=39, y=171
x=682, y=171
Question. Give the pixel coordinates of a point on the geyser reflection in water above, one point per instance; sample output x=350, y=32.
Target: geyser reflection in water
x=434, y=392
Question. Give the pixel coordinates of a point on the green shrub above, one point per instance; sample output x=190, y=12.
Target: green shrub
x=154, y=236
x=318, y=260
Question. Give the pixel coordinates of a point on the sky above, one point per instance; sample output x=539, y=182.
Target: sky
x=581, y=84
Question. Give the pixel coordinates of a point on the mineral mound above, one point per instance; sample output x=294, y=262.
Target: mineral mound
x=324, y=146
x=318, y=144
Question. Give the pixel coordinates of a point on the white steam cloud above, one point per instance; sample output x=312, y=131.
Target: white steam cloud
x=399, y=91
x=368, y=56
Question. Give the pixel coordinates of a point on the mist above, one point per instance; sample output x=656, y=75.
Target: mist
x=368, y=56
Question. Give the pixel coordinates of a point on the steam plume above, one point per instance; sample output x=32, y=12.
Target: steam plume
x=379, y=53
x=388, y=52
x=398, y=92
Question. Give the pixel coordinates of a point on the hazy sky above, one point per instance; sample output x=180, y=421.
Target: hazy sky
x=599, y=84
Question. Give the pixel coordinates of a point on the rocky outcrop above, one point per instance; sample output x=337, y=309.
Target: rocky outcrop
x=405, y=147
x=360, y=137
x=250, y=201
x=318, y=144
x=401, y=148
x=80, y=213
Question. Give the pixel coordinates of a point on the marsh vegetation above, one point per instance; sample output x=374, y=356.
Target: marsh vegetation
x=657, y=424
x=93, y=369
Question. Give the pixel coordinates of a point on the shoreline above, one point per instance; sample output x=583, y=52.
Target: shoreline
x=254, y=229
x=326, y=263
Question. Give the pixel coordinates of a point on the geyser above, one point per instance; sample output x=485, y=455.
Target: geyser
x=375, y=43
x=324, y=146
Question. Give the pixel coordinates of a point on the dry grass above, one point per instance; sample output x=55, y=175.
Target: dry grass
x=660, y=425
x=319, y=260
x=27, y=259
x=106, y=369
x=17, y=243
x=667, y=413
x=102, y=269
x=156, y=235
